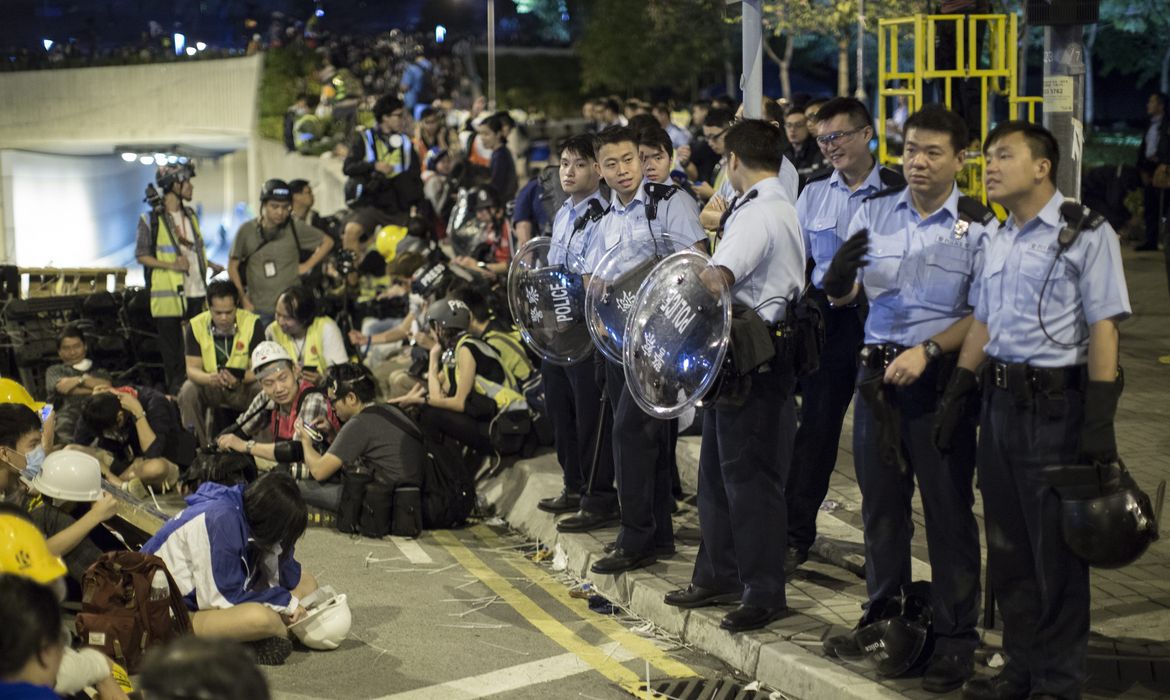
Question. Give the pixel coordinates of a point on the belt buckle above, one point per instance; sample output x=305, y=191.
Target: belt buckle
x=999, y=375
x=889, y=354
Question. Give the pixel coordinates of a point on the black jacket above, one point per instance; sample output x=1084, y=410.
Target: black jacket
x=369, y=188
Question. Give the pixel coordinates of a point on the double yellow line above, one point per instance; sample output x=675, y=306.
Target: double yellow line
x=552, y=628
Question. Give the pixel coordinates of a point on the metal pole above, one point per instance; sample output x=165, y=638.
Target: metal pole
x=860, y=93
x=752, y=79
x=491, y=54
x=1064, y=100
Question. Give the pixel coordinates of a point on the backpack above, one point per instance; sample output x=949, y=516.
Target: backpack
x=120, y=617
x=448, y=491
x=511, y=352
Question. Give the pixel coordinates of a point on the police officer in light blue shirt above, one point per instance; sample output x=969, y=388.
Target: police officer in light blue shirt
x=637, y=219
x=747, y=446
x=572, y=393
x=825, y=207
x=920, y=249
x=1052, y=294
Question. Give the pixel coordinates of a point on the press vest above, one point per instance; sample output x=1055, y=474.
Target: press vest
x=166, y=286
x=314, y=347
x=240, y=356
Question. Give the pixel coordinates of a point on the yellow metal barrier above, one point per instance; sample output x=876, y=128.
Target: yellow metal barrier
x=897, y=80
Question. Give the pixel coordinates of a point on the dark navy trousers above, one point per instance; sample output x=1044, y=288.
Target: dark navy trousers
x=573, y=399
x=825, y=396
x=1041, y=587
x=945, y=485
x=743, y=464
x=643, y=458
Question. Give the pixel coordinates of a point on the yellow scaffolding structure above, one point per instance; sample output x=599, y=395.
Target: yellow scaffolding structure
x=1000, y=76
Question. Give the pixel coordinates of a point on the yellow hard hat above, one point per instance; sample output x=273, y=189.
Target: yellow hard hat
x=24, y=551
x=11, y=392
x=388, y=239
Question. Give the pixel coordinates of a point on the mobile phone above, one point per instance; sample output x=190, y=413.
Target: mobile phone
x=45, y=411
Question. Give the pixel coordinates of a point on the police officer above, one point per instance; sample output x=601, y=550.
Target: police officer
x=640, y=443
x=746, y=448
x=921, y=245
x=1051, y=390
x=824, y=209
x=572, y=393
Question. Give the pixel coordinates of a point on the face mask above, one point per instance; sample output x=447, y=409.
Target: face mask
x=33, y=461
x=84, y=365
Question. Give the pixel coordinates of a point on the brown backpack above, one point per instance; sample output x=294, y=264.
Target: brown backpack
x=119, y=616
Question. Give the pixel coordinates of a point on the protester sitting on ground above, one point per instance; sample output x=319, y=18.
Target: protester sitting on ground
x=69, y=382
x=497, y=255
x=504, y=338
x=313, y=341
x=25, y=556
x=21, y=447
x=193, y=667
x=134, y=432
x=219, y=344
x=231, y=552
x=283, y=399
x=462, y=394
x=368, y=445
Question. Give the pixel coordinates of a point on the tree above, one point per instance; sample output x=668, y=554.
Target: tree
x=1147, y=26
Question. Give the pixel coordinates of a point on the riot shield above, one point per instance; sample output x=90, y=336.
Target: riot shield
x=546, y=294
x=613, y=287
x=677, y=334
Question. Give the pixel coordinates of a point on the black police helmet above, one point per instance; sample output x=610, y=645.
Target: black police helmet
x=486, y=197
x=277, y=191
x=1113, y=529
x=901, y=636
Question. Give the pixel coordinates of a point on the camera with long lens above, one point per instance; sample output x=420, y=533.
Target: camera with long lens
x=153, y=198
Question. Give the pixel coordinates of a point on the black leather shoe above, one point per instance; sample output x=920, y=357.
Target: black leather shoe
x=622, y=560
x=793, y=558
x=945, y=672
x=564, y=503
x=844, y=646
x=659, y=550
x=998, y=687
x=750, y=617
x=697, y=597
x=584, y=521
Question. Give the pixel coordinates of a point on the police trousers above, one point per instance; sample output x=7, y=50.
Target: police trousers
x=948, y=496
x=1041, y=587
x=573, y=399
x=641, y=455
x=743, y=465
x=825, y=396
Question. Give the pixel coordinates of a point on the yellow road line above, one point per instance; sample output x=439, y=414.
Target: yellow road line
x=535, y=615
x=644, y=648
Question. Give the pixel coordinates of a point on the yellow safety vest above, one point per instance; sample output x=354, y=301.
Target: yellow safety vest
x=506, y=395
x=166, y=286
x=314, y=348
x=240, y=356
x=511, y=351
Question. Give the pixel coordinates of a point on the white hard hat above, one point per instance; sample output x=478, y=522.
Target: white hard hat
x=326, y=625
x=267, y=352
x=70, y=475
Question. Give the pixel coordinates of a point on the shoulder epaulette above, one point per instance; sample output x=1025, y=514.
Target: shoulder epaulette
x=818, y=176
x=972, y=210
x=890, y=177
x=885, y=193
x=661, y=191
x=1077, y=218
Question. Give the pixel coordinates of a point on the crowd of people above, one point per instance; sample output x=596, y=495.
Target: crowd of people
x=328, y=355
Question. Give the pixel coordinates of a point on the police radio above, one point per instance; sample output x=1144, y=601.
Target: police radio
x=1076, y=218
x=593, y=212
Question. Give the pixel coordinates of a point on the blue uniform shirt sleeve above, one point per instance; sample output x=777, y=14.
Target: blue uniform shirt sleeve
x=681, y=219
x=525, y=211
x=1102, y=280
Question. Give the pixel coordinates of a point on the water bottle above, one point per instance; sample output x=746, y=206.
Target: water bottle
x=159, y=588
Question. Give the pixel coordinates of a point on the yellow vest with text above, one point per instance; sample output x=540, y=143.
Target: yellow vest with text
x=241, y=356
x=314, y=355
x=166, y=286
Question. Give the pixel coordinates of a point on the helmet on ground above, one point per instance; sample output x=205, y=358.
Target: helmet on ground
x=900, y=635
x=70, y=475
x=24, y=551
x=326, y=625
x=275, y=190
x=267, y=352
x=449, y=314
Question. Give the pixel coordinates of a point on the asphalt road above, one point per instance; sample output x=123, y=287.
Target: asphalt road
x=466, y=614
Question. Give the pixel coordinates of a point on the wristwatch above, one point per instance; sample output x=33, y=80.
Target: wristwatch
x=249, y=445
x=931, y=349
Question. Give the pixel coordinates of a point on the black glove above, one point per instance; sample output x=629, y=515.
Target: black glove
x=952, y=406
x=850, y=258
x=1098, y=443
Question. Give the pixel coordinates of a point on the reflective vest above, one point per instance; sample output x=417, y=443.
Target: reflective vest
x=506, y=395
x=314, y=347
x=240, y=357
x=512, y=356
x=167, y=299
x=378, y=151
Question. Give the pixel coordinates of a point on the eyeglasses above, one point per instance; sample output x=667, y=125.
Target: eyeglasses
x=838, y=136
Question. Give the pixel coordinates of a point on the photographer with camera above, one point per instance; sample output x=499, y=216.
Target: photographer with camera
x=219, y=344
x=170, y=249
x=273, y=252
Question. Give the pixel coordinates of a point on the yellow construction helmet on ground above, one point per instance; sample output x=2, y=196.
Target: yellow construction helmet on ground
x=388, y=239
x=24, y=551
x=12, y=392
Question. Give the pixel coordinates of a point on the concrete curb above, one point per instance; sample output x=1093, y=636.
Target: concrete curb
x=795, y=670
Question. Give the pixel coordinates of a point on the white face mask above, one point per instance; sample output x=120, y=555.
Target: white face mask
x=84, y=365
x=33, y=461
